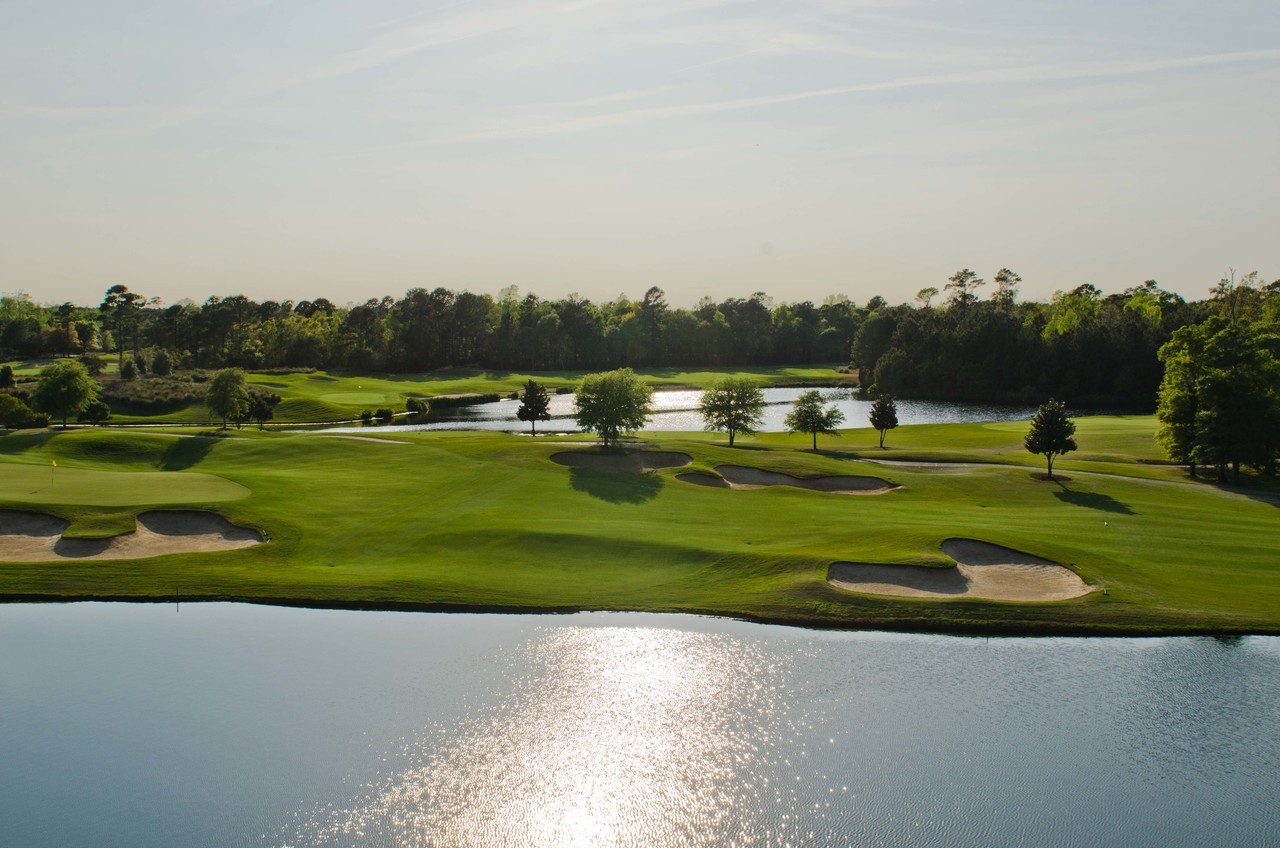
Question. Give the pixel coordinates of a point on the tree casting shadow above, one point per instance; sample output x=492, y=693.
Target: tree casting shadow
x=615, y=488
x=186, y=452
x=1093, y=500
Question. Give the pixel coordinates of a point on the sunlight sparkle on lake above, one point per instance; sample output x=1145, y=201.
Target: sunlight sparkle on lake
x=613, y=736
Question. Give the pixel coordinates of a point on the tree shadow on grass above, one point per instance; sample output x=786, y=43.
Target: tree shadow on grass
x=615, y=488
x=1093, y=500
x=18, y=442
x=188, y=451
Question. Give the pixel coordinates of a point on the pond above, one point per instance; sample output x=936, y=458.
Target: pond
x=237, y=725
x=678, y=410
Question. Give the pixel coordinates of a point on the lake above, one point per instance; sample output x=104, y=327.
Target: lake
x=240, y=725
x=678, y=411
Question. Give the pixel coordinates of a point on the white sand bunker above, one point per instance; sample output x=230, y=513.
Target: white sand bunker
x=638, y=462
x=982, y=570
x=34, y=537
x=741, y=477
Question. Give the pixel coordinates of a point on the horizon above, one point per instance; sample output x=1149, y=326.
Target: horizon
x=582, y=146
x=940, y=297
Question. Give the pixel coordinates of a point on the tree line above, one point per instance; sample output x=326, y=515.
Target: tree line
x=425, y=330
x=1096, y=349
x=950, y=343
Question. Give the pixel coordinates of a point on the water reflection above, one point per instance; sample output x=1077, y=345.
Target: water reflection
x=133, y=725
x=1190, y=716
x=677, y=410
x=618, y=736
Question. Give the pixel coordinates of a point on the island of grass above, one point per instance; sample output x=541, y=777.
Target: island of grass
x=490, y=521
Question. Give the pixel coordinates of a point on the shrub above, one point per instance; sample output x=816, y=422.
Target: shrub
x=16, y=415
x=95, y=413
x=93, y=364
x=384, y=416
x=366, y=417
x=161, y=364
x=128, y=371
x=153, y=395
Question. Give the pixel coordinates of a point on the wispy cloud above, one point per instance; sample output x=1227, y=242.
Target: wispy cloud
x=1025, y=73
x=404, y=41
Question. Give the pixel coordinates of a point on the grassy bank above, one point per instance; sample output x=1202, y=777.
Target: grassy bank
x=487, y=520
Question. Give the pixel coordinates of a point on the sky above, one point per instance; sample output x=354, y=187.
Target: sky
x=290, y=149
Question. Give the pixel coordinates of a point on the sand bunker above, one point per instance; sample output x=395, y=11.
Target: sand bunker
x=638, y=462
x=741, y=477
x=982, y=570
x=34, y=537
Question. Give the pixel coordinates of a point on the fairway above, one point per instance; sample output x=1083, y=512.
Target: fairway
x=478, y=520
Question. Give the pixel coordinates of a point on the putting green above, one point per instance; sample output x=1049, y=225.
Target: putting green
x=44, y=484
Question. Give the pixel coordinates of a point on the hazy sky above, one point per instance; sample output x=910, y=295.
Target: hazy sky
x=283, y=148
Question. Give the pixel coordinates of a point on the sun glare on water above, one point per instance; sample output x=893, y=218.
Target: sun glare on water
x=610, y=736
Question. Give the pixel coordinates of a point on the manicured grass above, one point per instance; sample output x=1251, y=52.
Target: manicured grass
x=470, y=520
x=41, y=483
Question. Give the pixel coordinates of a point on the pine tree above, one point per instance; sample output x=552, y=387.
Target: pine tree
x=884, y=415
x=535, y=406
x=1051, y=432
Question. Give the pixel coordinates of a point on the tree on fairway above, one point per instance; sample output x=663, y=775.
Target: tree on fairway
x=228, y=395
x=262, y=407
x=884, y=415
x=95, y=413
x=6, y=377
x=808, y=416
x=535, y=406
x=611, y=403
x=1051, y=432
x=65, y=389
x=732, y=404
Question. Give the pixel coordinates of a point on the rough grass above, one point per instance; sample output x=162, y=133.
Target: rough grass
x=468, y=520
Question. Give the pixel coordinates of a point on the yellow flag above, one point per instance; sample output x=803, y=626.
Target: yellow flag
x=55, y=462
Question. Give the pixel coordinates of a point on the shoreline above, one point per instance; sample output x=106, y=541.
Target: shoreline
x=873, y=624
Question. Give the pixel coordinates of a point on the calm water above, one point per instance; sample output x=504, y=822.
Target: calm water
x=678, y=410
x=228, y=725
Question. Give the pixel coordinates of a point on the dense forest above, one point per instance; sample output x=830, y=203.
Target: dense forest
x=1087, y=347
